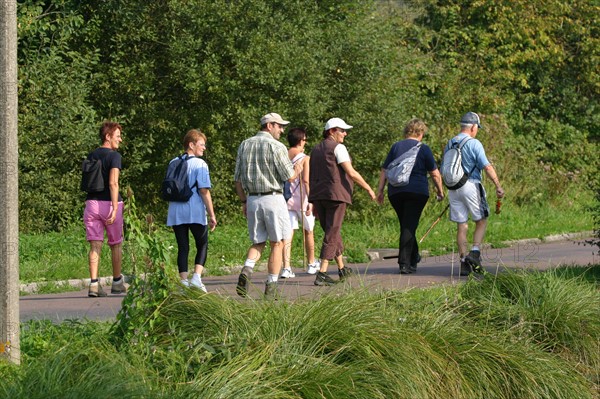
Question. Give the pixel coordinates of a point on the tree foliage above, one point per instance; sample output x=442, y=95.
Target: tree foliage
x=56, y=119
x=534, y=61
x=163, y=67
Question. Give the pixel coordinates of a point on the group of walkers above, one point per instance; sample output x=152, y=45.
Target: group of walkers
x=320, y=188
x=321, y=183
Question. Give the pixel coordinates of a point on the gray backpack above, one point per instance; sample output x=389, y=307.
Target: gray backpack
x=453, y=174
x=398, y=172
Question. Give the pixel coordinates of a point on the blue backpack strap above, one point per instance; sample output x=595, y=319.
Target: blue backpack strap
x=463, y=142
x=300, y=176
x=186, y=157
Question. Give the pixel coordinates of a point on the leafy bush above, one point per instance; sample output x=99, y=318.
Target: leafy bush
x=139, y=309
x=57, y=123
x=163, y=67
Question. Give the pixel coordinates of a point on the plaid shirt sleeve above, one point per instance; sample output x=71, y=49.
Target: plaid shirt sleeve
x=237, y=174
x=282, y=163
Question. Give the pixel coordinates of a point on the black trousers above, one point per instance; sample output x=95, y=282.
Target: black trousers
x=408, y=207
x=200, y=233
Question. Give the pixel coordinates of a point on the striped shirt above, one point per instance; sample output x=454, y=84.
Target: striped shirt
x=262, y=164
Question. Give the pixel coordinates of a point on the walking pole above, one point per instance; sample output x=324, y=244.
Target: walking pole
x=427, y=233
x=434, y=223
x=302, y=221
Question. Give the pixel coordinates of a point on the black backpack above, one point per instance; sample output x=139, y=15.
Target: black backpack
x=92, y=180
x=175, y=185
x=287, y=190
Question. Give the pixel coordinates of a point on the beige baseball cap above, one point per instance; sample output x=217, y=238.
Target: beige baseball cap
x=273, y=118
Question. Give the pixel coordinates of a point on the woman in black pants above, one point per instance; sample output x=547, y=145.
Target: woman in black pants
x=410, y=199
x=197, y=214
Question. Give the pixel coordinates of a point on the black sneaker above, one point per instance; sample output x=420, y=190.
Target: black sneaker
x=243, y=281
x=473, y=259
x=271, y=291
x=323, y=279
x=413, y=268
x=345, y=272
x=465, y=269
x=405, y=269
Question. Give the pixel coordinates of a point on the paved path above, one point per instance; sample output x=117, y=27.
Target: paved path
x=378, y=274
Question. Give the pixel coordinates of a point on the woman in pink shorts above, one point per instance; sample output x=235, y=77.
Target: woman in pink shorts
x=104, y=211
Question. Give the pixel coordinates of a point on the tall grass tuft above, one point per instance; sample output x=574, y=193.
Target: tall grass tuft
x=486, y=340
x=353, y=344
x=557, y=310
x=72, y=360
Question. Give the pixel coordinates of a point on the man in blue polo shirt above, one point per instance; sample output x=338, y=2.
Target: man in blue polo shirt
x=470, y=199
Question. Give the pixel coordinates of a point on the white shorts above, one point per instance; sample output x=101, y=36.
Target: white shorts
x=470, y=199
x=308, y=222
x=268, y=219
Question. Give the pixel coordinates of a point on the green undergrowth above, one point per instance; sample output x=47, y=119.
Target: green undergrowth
x=516, y=335
x=50, y=287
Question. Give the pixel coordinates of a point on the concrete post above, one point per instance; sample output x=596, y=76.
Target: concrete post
x=9, y=186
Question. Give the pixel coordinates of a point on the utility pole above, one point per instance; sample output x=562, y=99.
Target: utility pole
x=9, y=186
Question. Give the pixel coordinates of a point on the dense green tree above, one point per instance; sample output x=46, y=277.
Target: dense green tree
x=56, y=120
x=163, y=67
x=221, y=65
x=533, y=61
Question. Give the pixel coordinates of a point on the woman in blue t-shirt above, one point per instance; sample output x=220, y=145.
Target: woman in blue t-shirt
x=192, y=215
x=409, y=200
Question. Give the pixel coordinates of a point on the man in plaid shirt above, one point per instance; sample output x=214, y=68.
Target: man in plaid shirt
x=262, y=165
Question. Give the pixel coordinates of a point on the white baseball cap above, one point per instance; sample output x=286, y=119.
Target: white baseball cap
x=273, y=118
x=337, y=122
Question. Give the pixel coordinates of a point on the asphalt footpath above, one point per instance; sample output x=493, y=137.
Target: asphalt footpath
x=378, y=274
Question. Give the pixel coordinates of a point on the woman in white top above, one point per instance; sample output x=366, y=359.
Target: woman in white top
x=298, y=207
x=192, y=215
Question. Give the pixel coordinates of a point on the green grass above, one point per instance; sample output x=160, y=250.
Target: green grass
x=63, y=255
x=51, y=287
x=519, y=335
x=512, y=223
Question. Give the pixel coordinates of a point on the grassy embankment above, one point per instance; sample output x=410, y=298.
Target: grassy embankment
x=516, y=335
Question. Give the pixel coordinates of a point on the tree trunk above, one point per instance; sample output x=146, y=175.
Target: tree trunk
x=9, y=185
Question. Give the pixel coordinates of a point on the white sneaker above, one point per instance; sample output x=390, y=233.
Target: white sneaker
x=185, y=283
x=313, y=268
x=195, y=282
x=287, y=273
